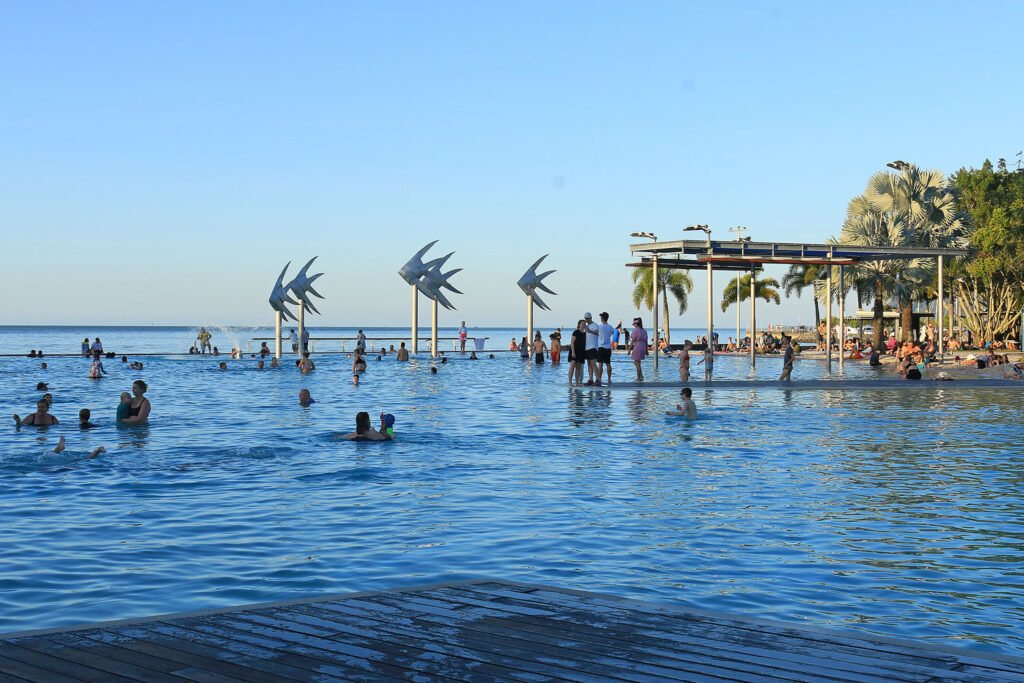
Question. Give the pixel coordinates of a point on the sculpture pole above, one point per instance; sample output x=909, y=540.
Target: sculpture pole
x=302, y=323
x=433, y=330
x=277, y=335
x=529, y=320
x=415, y=319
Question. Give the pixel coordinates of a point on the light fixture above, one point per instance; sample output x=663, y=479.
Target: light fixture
x=648, y=235
x=898, y=165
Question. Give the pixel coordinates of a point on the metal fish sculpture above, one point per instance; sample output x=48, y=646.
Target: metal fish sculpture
x=530, y=282
x=302, y=285
x=279, y=296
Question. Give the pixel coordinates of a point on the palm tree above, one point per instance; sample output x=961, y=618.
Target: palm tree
x=763, y=289
x=799, y=277
x=676, y=281
x=914, y=208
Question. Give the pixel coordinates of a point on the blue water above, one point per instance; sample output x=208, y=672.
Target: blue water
x=892, y=512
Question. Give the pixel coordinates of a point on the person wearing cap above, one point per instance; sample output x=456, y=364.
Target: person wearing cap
x=40, y=418
x=590, y=348
x=387, y=425
x=42, y=386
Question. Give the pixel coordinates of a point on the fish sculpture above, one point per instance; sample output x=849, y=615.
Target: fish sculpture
x=302, y=285
x=530, y=282
x=427, y=276
x=279, y=297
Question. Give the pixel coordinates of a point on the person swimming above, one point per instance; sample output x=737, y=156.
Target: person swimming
x=305, y=400
x=40, y=418
x=687, y=408
x=364, y=431
x=61, y=446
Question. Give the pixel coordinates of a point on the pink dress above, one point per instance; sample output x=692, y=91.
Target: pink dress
x=639, y=339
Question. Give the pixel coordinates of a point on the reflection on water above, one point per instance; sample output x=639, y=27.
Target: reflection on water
x=891, y=512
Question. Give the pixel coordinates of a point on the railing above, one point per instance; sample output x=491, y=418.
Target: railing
x=286, y=343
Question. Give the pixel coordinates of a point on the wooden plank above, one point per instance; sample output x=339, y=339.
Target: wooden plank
x=116, y=660
x=50, y=647
x=197, y=666
x=677, y=652
x=445, y=654
x=591, y=640
x=699, y=636
x=618, y=665
x=270, y=661
x=75, y=670
x=17, y=670
x=304, y=657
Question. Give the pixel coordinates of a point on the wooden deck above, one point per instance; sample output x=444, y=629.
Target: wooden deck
x=481, y=630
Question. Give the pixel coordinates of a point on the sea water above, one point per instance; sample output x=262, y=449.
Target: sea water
x=890, y=512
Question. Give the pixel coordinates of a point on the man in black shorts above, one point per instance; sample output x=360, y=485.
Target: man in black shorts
x=604, y=348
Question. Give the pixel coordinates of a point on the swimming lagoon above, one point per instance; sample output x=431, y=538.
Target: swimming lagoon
x=891, y=512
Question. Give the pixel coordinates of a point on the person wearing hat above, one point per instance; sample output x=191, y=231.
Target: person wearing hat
x=387, y=425
x=42, y=386
x=590, y=348
x=40, y=418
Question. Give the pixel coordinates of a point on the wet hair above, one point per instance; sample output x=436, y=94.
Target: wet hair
x=433, y=371
x=362, y=422
x=444, y=360
x=43, y=402
x=142, y=385
x=84, y=414
x=687, y=392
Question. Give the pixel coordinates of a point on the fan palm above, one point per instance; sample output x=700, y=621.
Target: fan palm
x=766, y=288
x=912, y=208
x=799, y=277
x=677, y=282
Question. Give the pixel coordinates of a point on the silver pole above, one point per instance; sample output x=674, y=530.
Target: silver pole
x=277, y=335
x=415, y=320
x=433, y=329
x=828, y=322
x=942, y=326
x=654, y=278
x=711, y=326
x=529, y=320
x=737, y=310
x=842, y=321
x=753, y=320
x=302, y=323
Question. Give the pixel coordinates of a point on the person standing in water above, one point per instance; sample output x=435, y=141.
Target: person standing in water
x=463, y=333
x=139, y=408
x=577, y=354
x=638, y=346
x=204, y=340
x=40, y=418
x=556, y=348
x=96, y=370
x=709, y=362
x=787, y=359
x=539, y=347
x=684, y=361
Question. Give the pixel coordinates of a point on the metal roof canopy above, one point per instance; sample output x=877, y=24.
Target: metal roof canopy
x=680, y=264
x=721, y=252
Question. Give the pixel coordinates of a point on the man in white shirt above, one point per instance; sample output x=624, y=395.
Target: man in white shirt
x=96, y=346
x=590, y=349
x=293, y=339
x=604, y=348
x=361, y=341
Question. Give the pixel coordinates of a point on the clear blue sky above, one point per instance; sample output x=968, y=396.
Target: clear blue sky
x=160, y=162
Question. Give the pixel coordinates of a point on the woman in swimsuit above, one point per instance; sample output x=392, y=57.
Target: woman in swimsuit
x=364, y=432
x=138, y=409
x=684, y=362
x=358, y=363
x=40, y=418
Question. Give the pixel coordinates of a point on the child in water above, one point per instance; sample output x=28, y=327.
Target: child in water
x=96, y=370
x=83, y=419
x=122, y=410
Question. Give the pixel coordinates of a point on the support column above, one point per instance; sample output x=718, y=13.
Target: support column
x=939, y=311
x=737, y=310
x=277, y=335
x=842, y=321
x=433, y=329
x=302, y=323
x=828, y=322
x=415, y=320
x=529, y=321
x=711, y=324
x=657, y=290
x=753, y=320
